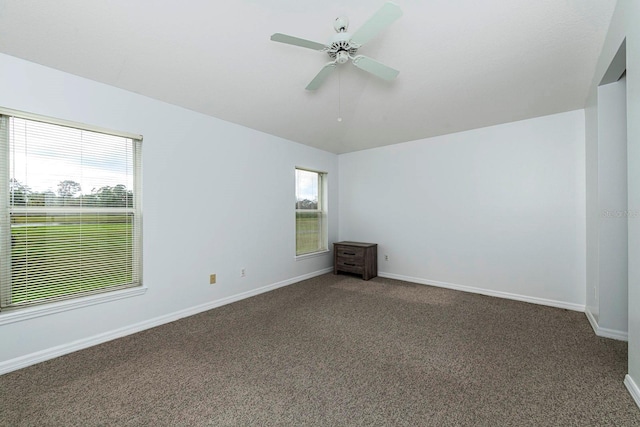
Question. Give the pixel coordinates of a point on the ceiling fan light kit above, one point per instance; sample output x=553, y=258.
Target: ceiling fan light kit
x=343, y=46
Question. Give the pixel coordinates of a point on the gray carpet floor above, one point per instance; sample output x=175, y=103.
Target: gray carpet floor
x=338, y=351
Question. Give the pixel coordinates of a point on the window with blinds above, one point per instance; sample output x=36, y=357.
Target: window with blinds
x=71, y=224
x=311, y=214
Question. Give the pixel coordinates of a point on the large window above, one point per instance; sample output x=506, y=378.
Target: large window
x=311, y=212
x=71, y=219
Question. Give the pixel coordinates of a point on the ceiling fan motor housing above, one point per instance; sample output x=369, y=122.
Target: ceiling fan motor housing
x=341, y=42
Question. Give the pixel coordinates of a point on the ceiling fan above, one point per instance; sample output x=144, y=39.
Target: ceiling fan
x=343, y=46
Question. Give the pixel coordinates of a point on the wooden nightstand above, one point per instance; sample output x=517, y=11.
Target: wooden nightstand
x=356, y=257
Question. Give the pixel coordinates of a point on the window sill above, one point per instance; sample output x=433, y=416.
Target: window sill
x=19, y=315
x=312, y=255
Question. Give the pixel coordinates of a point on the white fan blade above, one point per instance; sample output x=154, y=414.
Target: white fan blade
x=384, y=17
x=374, y=67
x=321, y=76
x=283, y=38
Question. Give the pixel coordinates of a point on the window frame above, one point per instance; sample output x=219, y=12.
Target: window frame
x=321, y=209
x=11, y=313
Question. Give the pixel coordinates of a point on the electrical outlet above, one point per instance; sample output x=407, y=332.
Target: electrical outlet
x=243, y=272
x=212, y=279
x=386, y=257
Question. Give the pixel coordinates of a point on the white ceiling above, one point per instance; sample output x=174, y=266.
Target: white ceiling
x=463, y=64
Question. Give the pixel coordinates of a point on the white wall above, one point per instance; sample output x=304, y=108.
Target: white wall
x=631, y=11
x=217, y=197
x=498, y=210
x=624, y=26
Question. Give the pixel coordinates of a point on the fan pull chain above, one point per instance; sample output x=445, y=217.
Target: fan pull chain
x=339, y=91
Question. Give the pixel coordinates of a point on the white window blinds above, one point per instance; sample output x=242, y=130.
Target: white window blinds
x=71, y=224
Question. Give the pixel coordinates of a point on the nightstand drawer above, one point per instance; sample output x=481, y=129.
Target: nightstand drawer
x=348, y=265
x=349, y=252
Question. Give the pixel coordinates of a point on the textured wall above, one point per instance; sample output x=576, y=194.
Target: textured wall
x=217, y=197
x=498, y=209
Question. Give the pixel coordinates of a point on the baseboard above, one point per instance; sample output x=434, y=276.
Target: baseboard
x=51, y=353
x=633, y=389
x=605, y=332
x=488, y=292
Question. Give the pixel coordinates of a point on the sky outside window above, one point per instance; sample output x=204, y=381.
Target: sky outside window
x=306, y=186
x=43, y=155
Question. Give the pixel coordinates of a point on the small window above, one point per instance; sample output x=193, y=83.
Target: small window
x=311, y=212
x=71, y=220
